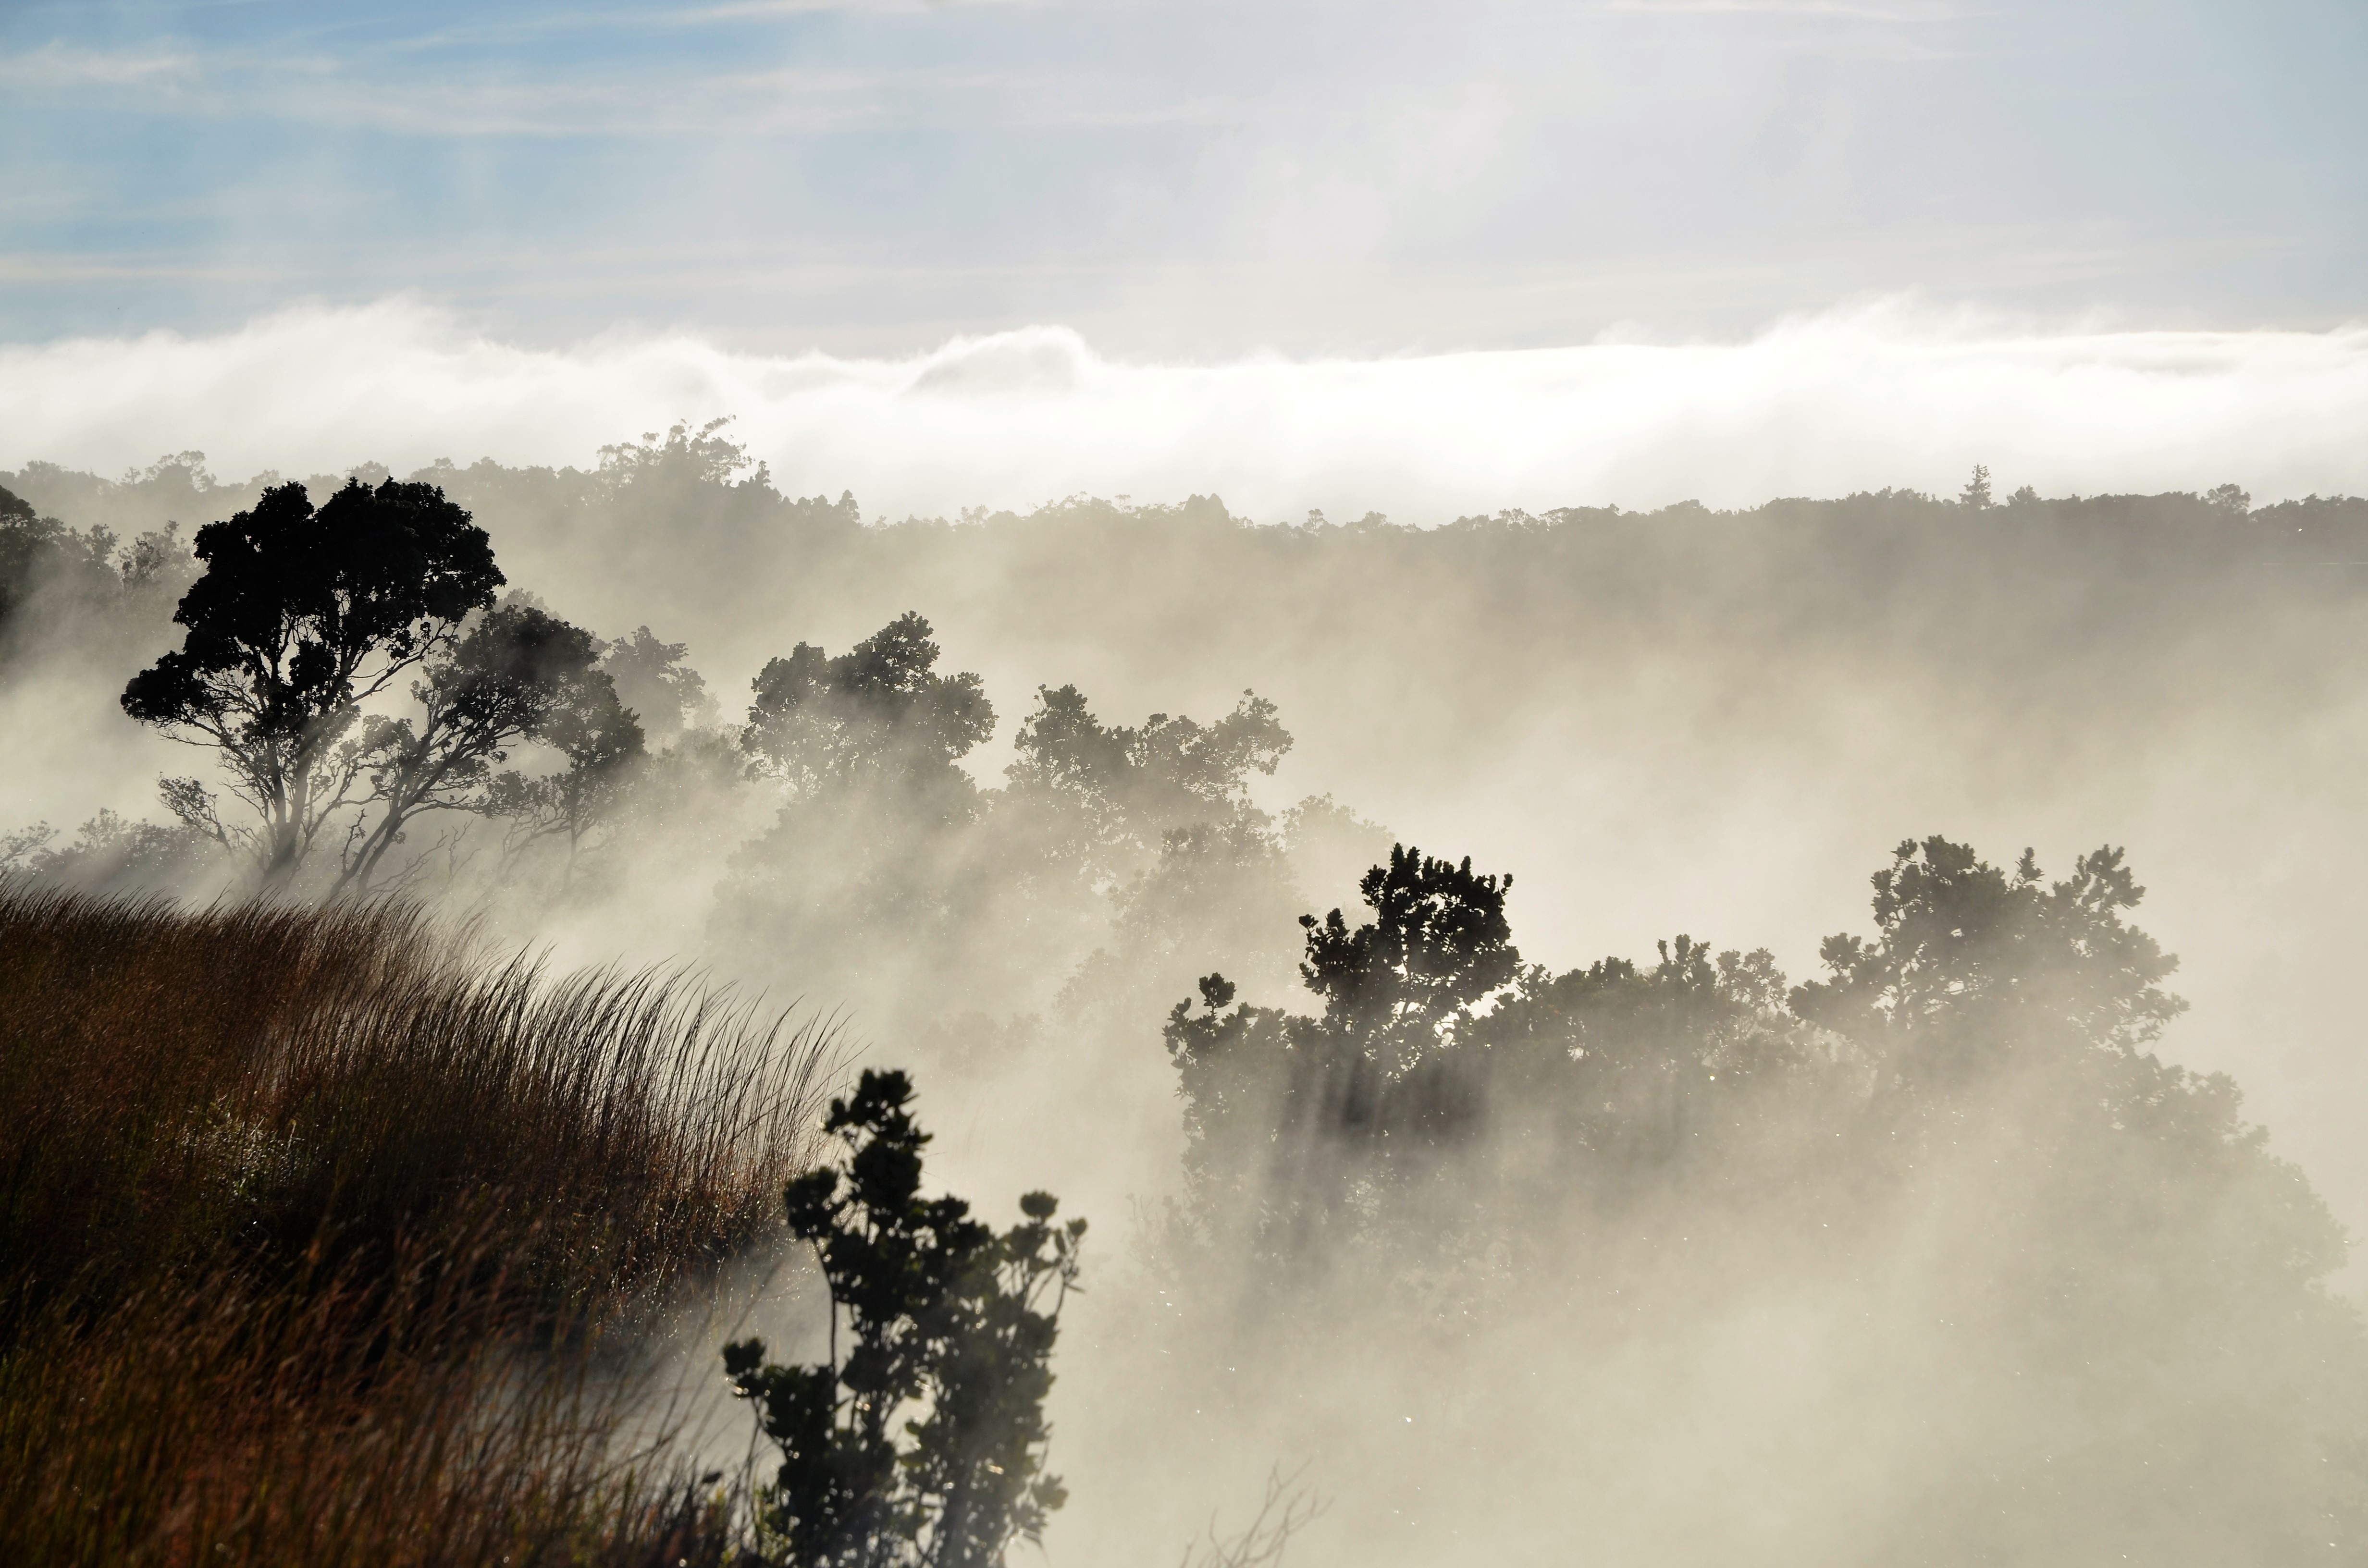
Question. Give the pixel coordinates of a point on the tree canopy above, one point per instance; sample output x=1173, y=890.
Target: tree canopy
x=300, y=617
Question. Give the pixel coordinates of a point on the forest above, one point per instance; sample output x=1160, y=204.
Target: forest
x=484, y=947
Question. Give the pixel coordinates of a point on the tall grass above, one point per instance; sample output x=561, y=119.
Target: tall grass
x=317, y=1236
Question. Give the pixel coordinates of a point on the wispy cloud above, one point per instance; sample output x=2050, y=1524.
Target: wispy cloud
x=1323, y=150
x=743, y=10
x=608, y=100
x=56, y=65
x=1846, y=10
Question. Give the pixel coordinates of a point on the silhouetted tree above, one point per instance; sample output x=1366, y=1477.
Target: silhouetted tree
x=1623, y=1076
x=300, y=618
x=1438, y=943
x=2141, y=1263
x=520, y=672
x=867, y=864
x=2230, y=498
x=682, y=457
x=111, y=854
x=1223, y=887
x=952, y=1328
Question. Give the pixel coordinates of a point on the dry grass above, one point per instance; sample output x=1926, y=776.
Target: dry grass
x=316, y=1239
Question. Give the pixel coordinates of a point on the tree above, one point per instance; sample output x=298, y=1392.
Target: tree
x=1977, y=493
x=953, y=1328
x=83, y=580
x=1970, y=964
x=1438, y=943
x=39, y=552
x=2151, y=1276
x=300, y=617
x=520, y=672
x=864, y=867
x=2231, y=499
x=704, y=456
x=1127, y=786
x=1623, y=1076
x=1286, y=1115
x=112, y=855
x=601, y=740
x=666, y=694
x=879, y=709
x=1216, y=888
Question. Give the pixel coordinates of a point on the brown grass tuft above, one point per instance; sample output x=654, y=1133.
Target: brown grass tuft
x=316, y=1237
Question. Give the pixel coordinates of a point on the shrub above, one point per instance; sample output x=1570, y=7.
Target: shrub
x=948, y=1320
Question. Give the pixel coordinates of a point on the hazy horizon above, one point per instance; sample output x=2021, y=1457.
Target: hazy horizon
x=1885, y=393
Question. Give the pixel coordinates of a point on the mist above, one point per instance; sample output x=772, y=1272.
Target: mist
x=1887, y=390
x=1690, y=723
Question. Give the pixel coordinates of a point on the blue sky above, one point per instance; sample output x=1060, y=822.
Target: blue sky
x=1180, y=180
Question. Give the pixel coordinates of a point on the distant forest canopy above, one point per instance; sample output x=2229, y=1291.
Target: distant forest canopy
x=2159, y=531
x=1931, y=599
x=704, y=479
x=181, y=483
x=683, y=532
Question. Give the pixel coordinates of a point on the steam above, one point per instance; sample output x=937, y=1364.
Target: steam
x=1721, y=744
x=1888, y=392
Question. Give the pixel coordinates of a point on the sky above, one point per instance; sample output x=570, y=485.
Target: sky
x=1185, y=183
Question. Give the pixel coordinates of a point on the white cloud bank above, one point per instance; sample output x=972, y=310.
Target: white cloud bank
x=1885, y=394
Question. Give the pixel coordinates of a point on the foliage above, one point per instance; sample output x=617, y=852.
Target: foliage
x=1969, y=963
x=1134, y=783
x=2136, y=1286
x=58, y=582
x=1630, y=1076
x=1620, y=1069
x=301, y=626
x=1438, y=942
x=879, y=713
x=299, y=620
x=701, y=457
x=600, y=741
x=518, y=674
x=946, y=1316
x=665, y=694
x=1227, y=884
x=1297, y=1114
x=109, y=854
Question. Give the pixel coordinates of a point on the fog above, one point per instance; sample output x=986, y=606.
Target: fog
x=1659, y=717
x=1883, y=391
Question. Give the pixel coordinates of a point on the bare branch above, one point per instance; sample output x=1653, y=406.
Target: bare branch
x=1287, y=1509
